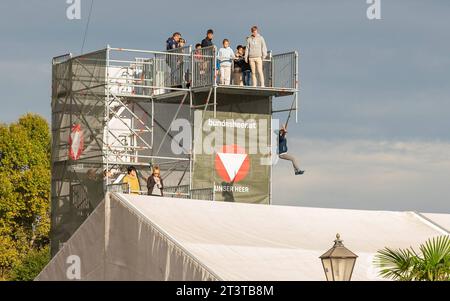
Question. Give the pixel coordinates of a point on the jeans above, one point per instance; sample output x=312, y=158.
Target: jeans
x=246, y=75
x=285, y=156
x=256, y=64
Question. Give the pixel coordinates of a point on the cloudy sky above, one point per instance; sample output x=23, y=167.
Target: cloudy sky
x=374, y=128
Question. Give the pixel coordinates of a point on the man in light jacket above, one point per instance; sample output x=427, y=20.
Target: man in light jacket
x=255, y=52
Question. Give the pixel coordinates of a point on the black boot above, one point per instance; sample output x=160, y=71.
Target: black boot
x=299, y=172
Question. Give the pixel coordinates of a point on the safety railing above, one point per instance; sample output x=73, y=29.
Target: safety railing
x=184, y=192
x=177, y=67
x=205, y=194
x=118, y=187
x=181, y=191
x=148, y=73
x=279, y=71
x=284, y=70
x=204, y=66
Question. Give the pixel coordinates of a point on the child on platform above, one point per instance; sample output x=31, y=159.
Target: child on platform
x=226, y=57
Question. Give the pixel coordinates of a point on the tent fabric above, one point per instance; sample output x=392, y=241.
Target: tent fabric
x=440, y=219
x=88, y=243
x=156, y=238
x=117, y=243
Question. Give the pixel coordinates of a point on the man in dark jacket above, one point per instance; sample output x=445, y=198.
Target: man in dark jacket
x=207, y=42
x=174, y=78
x=282, y=151
x=172, y=42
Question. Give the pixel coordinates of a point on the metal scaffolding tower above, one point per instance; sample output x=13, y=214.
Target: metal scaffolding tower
x=115, y=107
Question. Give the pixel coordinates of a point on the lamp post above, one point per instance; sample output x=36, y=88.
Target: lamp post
x=338, y=262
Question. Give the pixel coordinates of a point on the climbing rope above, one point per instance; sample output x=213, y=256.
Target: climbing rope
x=290, y=112
x=87, y=26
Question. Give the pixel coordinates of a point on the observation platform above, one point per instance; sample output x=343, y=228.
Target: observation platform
x=169, y=75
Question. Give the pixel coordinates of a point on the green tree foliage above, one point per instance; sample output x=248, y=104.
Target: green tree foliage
x=431, y=264
x=33, y=263
x=9, y=256
x=24, y=189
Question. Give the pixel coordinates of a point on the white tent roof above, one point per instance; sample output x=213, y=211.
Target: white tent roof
x=132, y=237
x=443, y=220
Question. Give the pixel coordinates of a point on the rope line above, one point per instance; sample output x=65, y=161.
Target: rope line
x=87, y=26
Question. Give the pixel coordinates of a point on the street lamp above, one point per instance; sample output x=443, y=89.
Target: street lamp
x=338, y=262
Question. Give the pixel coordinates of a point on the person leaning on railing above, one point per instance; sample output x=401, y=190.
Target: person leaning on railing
x=184, y=74
x=256, y=51
x=155, y=183
x=200, y=64
x=173, y=41
x=171, y=60
x=132, y=180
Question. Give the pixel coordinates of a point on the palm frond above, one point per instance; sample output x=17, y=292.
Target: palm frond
x=394, y=264
x=432, y=263
x=436, y=258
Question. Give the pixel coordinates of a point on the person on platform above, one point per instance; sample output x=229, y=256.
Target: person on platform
x=132, y=180
x=238, y=62
x=200, y=63
x=283, y=151
x=173, y=41
x=255, y=53
x=246, y=72
x=226, y=57
x=181, y=43
x=155, y=183
x=207, y=41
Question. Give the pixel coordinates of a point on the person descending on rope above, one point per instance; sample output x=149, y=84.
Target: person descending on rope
x=282, y=151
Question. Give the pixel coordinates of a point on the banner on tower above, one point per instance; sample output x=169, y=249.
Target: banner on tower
x=232, y=155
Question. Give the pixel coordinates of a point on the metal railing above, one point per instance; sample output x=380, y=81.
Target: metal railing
x=147, y=73
x=205, y=194
x=119, y=187
x=177, y=67
x=280, y=71
x=284, y=70
x=184, y=192
x=204, y=66
x=181, y=191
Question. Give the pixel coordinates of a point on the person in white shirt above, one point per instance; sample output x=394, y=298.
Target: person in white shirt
x=225, y=57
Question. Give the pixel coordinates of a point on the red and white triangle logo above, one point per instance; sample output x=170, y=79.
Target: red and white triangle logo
x=232, y=163
x=76, y=142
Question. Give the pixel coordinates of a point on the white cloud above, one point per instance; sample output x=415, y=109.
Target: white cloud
x=366, y=174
